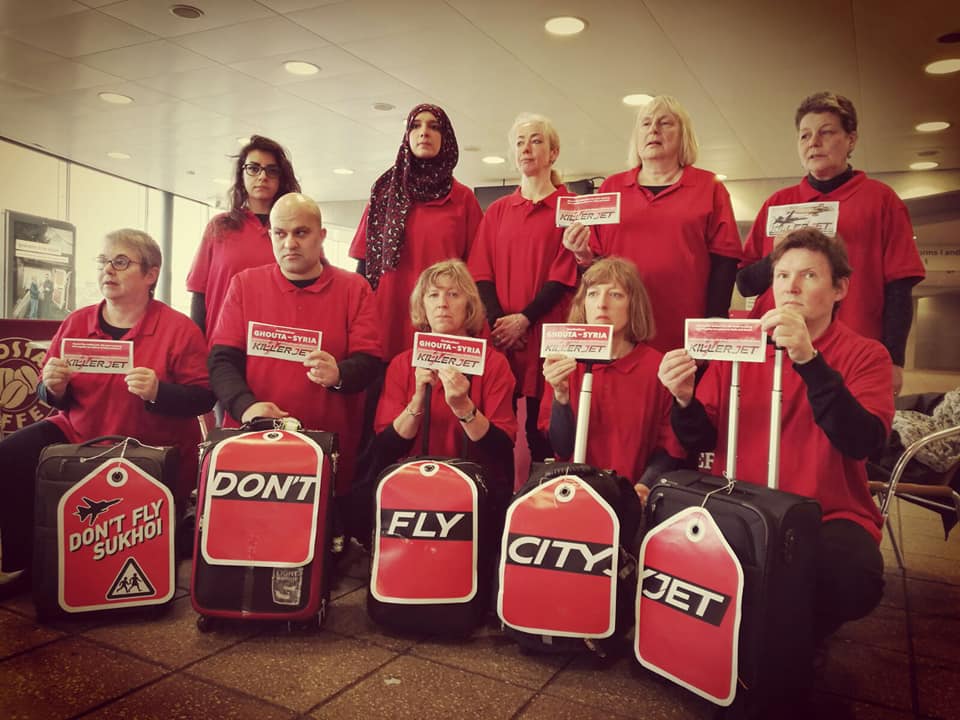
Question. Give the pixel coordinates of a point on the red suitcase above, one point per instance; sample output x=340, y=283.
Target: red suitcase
x=262, y=544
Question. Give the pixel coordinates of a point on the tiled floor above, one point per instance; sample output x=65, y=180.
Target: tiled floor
x=901, y=662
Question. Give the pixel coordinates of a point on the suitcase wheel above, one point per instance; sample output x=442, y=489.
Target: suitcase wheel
x=204, y=624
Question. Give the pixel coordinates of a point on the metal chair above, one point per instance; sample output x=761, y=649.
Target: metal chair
x=939, y=495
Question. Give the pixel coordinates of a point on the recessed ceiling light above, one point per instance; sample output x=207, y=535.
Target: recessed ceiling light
x=934, y=126
x=115, y=98
x=118, y=155
x=928, y=153
x=187, y=12
x=565, y=25
x=943, y=67
x=637, y=99
x=950, y=37
x=721, y=177
x=298, y=67
x=471, y=148
x=493, y=160
x=342, y=171
x=221, y=181
x=924, y=165
x=383, y=106
x=243, y=140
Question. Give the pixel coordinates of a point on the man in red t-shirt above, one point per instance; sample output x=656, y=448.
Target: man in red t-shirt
x=302, y=291
x=837, y=409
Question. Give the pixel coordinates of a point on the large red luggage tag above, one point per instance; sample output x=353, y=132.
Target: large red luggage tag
x=261, y=500
x=115, y=531
x=688, y=605
x=559, y=561
x=425, y=542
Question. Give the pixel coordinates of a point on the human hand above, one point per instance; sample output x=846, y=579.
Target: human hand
x=143, y=382
x=263, y=409
x=508, y=331
x=677, y=373
x=788, y=329
x=56, y=376
x=576, y=239
x=323, y=369
x=556, y=371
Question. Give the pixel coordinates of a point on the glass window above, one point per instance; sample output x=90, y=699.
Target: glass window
x=189, y=220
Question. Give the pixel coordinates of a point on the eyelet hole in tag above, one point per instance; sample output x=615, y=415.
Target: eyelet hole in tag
x=565, y=492
x=273, y=435
x=694, y=531
x=429, y=469
x=117, y=477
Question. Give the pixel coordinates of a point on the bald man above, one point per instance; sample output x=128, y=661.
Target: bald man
x=302, y=291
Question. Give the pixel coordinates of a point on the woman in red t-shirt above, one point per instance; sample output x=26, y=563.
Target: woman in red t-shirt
x=630, y=410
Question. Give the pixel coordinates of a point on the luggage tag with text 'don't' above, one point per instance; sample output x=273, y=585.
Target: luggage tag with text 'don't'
x=688, y=605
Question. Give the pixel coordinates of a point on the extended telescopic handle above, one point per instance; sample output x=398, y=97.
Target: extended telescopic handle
x=583, y=415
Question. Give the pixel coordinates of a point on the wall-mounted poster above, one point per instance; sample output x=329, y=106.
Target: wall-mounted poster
x=39, y=262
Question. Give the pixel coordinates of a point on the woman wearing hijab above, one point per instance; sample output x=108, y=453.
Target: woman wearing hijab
x=418, y=215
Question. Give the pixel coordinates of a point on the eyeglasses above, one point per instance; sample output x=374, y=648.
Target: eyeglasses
x=254, y=169
x=119, y=263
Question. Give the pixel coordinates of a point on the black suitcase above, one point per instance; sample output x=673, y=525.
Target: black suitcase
x=104, y=527
x=774, y=535
x=565, y=574
x=251, y=499
x=433, y=544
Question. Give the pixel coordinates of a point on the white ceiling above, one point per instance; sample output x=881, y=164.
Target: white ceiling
x=739, y=66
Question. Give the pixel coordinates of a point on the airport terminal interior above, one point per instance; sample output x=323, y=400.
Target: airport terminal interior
x=130, y=113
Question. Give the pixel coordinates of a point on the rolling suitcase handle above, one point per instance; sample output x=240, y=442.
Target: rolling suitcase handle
x=776, y=401
x=583, y=415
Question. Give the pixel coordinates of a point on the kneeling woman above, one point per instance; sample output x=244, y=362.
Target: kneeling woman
x=470, y=416
x=630, y=414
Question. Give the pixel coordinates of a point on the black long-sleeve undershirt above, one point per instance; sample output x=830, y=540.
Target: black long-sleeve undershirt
x=198, y=311
x=543, y=302
x=723, y=274
x=850, y=427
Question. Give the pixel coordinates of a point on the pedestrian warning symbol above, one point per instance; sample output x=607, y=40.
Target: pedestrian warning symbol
x=130, y=583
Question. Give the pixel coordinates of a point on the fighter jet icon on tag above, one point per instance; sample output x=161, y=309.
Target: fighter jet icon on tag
x=92, y=509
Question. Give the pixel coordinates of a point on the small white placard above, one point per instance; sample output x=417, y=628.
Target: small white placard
x=721, y=339
x=577, y=340
x=597, y=209
x=106, y=357
x=436, y=351
x=822, y=216
x=281, y=343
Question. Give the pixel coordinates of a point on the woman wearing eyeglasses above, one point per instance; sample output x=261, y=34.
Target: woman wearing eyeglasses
x=156, y=401
x=239, y=239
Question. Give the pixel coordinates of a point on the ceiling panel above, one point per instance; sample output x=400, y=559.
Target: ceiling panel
x=18, y=12
x=78, y=33
x=155, y=16
x=147, y=60
x=250, y=40
x=331, y=60
x=346, y=22
x=216, y=80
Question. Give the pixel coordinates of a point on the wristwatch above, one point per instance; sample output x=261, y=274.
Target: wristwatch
x=469, y=417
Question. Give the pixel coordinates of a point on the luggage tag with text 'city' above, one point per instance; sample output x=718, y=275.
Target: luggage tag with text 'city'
x=688, y=605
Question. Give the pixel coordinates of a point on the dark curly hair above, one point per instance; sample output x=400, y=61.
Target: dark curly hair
x=238, y=193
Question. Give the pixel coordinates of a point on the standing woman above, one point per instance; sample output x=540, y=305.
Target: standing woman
x=873, y=222
x=418, y=215
x=676, y=224
x=520, y=265
x=239, y=239
x=630, y=411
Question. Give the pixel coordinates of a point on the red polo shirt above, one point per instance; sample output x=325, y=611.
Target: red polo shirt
x=435, y=230
x=339, y=304
x=629, y=412
x=222, y=254
x=670, y=237
x=809, y=463
x=164, y=340
x=491, y=392
x=875, y=226
x=519, y=248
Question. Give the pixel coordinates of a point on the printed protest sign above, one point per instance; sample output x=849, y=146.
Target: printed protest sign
x=281, y=343
x=577, y=340
x=111, y=357
x=598, y=209
x=721, y=339
x=822, y=215
x=435, y=351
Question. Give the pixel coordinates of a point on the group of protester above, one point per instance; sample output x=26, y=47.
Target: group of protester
x=430, y=259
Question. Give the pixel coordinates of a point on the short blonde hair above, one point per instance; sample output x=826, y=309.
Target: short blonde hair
x=456, y=270
x=549, y=132
x=144, y=245
x=688, y=139
x=622, y=272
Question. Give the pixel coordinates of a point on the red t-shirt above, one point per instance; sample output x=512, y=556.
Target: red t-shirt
x=670, y=237
x=809, y=463
x=222, y=254
x=435, y=230
x=875, y=226
x=519, y=248
x=164, y=340
x=340, y=304
x=491, y=392
x=629, y=412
